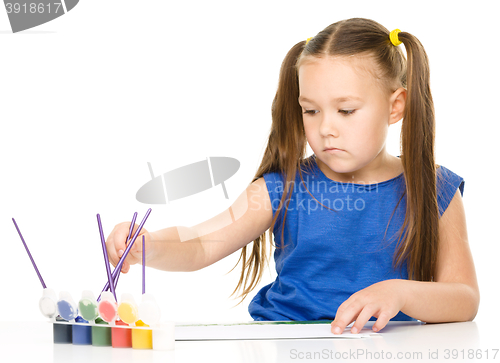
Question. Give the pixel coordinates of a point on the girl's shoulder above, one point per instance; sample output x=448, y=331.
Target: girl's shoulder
x=447, y=183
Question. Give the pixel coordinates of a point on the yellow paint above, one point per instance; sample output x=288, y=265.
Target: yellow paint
x=128, y=312
x=141, y=338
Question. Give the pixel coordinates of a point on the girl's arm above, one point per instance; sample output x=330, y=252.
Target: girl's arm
x=193, y=248
x=454, y=296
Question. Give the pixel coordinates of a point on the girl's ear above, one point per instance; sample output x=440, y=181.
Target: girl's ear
x=398, y=103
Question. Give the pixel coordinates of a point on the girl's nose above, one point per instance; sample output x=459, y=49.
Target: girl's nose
x=328, y=126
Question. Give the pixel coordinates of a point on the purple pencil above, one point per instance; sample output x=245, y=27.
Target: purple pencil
x=132, y=224
x=122, y=259
x=143, y=265
x=29, y=254
x=136, y=234
x=106, y=261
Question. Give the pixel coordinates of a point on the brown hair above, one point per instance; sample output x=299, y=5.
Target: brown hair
x=286, y=148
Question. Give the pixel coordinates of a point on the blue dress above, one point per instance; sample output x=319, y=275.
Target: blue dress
x=329, y=254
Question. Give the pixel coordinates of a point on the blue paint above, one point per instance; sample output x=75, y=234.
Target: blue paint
x=67, y=310
x=82, y=335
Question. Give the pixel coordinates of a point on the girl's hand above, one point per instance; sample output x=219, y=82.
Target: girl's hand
x=115, y=244
x=382, y=300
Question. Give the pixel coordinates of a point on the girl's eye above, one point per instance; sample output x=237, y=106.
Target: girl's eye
x=311, y=112
x=346, y=112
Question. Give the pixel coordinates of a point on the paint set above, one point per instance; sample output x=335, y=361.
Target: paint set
x=105, y=321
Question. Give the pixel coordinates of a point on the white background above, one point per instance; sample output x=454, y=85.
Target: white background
x=88, y=99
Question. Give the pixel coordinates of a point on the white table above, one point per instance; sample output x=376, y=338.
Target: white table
x=405, y=342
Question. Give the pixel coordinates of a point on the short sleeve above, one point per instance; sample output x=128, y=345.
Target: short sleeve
x=446, y=185
x=274, y=184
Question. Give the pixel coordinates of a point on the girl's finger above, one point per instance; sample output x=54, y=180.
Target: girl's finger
x=382, y=321
x=363, y=318
x=112, y=256
x=345, y=316
x=116, y=242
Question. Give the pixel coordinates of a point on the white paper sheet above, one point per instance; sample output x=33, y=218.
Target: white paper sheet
x=262, y=330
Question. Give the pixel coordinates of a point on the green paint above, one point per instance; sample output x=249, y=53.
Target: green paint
x=291, y=322
x=88, y=309
x=101, y=337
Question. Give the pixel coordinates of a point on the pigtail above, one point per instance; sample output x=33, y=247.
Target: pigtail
x=286, y=148
x=420, y=228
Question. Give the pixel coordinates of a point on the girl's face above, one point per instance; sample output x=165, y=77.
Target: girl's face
x=345, y=107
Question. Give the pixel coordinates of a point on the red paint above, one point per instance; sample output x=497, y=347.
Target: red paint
x=107, y=310
x=121, y=338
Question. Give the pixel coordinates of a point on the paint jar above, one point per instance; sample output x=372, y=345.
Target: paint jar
x=128, y=310
x=82, y=334
x=88, y=306
x=101, y=333
x=107, y=307
x=48, y=303
x=164, y=336
x=149, y=311
x=63, y=334
x=66, y=306
x=121, y=337
x=142, y=338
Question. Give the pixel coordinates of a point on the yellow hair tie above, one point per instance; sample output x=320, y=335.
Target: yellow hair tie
x=308, y=39
x=393, y=36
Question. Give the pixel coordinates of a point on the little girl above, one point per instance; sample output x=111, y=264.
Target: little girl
x=359, y=234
